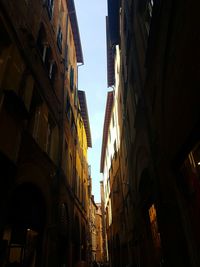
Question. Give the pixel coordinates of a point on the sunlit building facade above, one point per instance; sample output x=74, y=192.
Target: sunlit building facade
x=93, y=229
x=110, y=168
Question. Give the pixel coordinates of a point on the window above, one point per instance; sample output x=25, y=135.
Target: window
x=43, y=127
x=5, y=50
x=113, y=120
x=50, y=128
x=190, y=170
x=12, y=68
x=59, y=39
x=154, y=227
x=35, y=107
x=115, y=150
x=66, y=57
x=109, y=135
x=189, y=186
x=68, y=108
x=26, y=90
x=22, y=247
x=52, y=72
x=77, y=185
x=42, y=44
x=70, y=171
x=67, y=24
x=83, y=200
x=51, y=69
x=65, y=163
x=71, y=78
x=148, y=15
x=50, y=5
x=73, y=127
x=47, y=57
x=76, y=97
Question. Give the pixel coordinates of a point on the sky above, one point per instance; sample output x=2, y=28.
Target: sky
x=92, y=77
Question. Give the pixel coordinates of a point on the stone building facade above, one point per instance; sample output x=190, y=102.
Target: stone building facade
x=99, y=234
x=44, y=136
x=159, y=131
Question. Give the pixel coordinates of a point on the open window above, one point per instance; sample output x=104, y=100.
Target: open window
x=52, y=141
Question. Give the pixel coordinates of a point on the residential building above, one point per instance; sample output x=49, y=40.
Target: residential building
x=99, y=234
x=159, y=130
x=44, y=136
x=110, y=167
x=93, y=230
x=115, y=161
x=104, y=234
x=96, y=234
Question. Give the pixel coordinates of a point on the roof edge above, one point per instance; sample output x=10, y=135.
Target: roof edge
x=75, y=30
x=84, y=114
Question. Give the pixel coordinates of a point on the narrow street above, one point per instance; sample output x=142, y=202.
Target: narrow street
x=53, y=138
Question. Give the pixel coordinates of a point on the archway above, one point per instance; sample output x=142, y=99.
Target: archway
x=25, y=225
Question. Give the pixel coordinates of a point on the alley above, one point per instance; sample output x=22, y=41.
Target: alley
x=148, y=211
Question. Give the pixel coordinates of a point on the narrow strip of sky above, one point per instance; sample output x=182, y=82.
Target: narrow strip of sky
x=92, y=76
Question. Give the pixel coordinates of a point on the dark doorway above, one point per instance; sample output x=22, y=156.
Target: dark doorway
x=24, y=228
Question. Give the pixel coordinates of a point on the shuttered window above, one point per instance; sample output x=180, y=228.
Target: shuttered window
x=71, y=79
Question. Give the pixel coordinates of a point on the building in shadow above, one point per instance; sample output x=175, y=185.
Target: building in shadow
x=159, y=130
x=44, y=136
